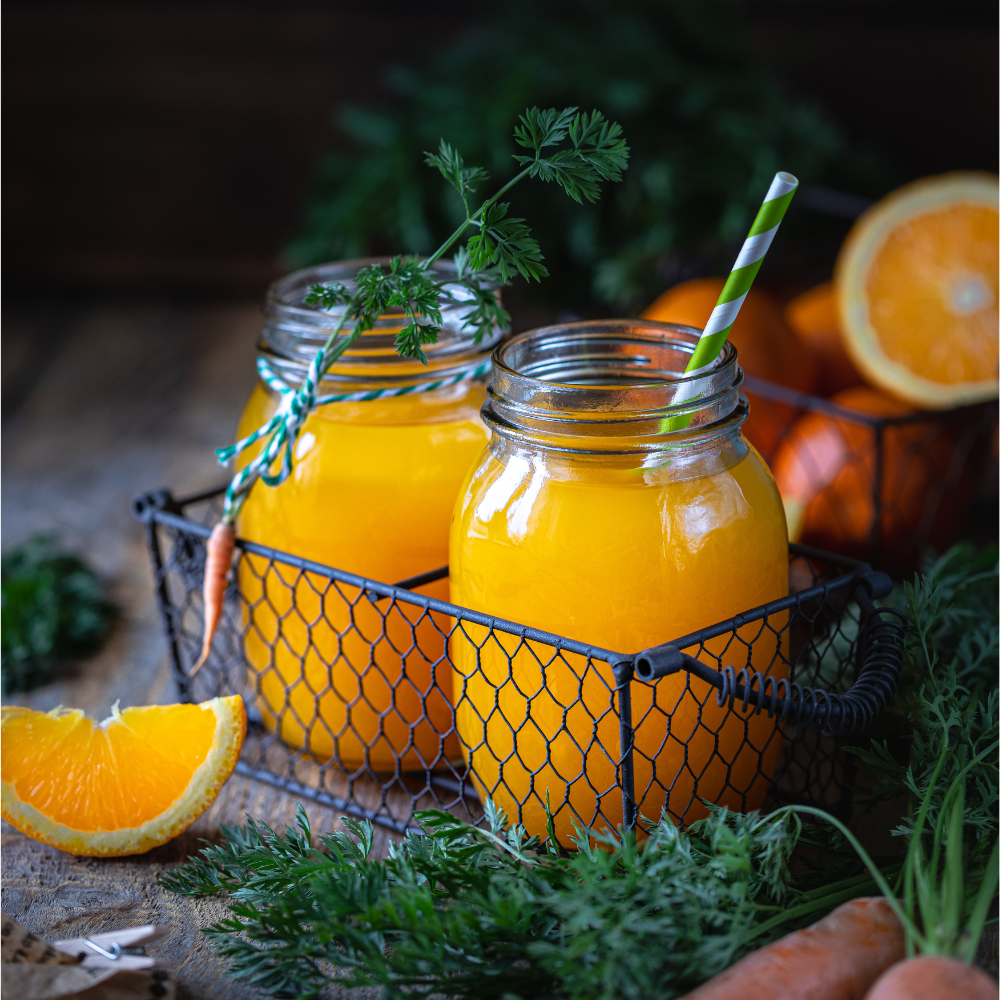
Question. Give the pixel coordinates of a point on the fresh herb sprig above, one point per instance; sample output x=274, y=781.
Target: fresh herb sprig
x=577, y=151
x=950, y=703
x=948, y=698
x=472, y=912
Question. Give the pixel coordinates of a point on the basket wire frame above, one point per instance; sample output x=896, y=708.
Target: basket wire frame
x=591, y=733
x=883, y=489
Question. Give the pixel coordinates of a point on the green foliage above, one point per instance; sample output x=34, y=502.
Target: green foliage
x=53, y=609
x=487, y=912
x=950, y=701
x=707, y=129
x=948, y=695
x=500, y=246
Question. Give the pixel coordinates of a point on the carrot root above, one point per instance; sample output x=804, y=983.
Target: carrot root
x=218, y=559
x=837, y=958
x=933, y=977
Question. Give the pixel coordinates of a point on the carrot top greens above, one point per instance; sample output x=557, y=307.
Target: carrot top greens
x=576, y=151
x=473, y=912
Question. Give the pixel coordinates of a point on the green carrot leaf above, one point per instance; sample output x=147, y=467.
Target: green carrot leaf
x=452, y=167
x=507, y=243
x=327, y=296
x=597, y=151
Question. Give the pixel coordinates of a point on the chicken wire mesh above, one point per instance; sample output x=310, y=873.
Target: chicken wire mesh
x=378, y=701
x=879, y=488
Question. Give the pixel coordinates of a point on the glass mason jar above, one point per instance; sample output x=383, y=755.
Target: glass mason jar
x=371, y=492
x=609, y=510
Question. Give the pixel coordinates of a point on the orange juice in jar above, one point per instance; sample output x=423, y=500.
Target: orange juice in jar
x=608, y=510
x=374, y=482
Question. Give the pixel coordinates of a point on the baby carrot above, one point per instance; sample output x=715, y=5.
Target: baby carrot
x=933, y=977
x=218, y=558
x=837, y=958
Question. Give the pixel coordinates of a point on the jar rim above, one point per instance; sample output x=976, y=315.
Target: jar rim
x=293, y=332
x=612, y=385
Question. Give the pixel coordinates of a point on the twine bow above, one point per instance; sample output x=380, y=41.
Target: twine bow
x=294, y=407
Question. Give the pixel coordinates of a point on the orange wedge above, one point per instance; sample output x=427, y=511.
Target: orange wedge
x=123, y=786
x=917, y=290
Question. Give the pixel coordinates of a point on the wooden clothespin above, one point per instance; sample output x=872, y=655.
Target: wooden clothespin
x=121, y=949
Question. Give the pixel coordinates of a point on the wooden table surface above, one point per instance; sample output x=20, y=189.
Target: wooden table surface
x=103, y=399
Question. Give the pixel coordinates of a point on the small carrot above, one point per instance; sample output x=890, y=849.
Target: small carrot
x=933, y=977
x=218, y=558
x=837, y=958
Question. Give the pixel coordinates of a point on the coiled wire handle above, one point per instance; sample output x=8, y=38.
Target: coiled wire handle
x=880, y=655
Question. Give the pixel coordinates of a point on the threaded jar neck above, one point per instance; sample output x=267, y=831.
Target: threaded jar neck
x=612, y=386
x=293, y=332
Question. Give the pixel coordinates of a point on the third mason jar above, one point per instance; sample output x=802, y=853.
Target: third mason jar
x=373, y=485
x=617, y=504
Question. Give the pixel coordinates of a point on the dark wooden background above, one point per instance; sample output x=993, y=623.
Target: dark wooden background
x=168, y=145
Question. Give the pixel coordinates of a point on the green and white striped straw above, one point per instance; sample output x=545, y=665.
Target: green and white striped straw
x=744, y=271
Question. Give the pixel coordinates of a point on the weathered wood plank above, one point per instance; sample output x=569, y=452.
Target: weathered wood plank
x=57, y=895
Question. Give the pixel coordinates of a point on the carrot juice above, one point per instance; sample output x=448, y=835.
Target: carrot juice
x=338, y=671
x=587, y=518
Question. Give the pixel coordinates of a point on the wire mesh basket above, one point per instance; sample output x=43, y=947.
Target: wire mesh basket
x=878, y=488
x=356, y=699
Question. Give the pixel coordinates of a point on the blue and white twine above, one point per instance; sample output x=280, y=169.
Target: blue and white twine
x=293, y=409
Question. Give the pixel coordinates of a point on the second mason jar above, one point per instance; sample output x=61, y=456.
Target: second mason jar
x=617, y=504
x=371, y=492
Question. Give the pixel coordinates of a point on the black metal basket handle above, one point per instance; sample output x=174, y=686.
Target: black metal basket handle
x=880, y=649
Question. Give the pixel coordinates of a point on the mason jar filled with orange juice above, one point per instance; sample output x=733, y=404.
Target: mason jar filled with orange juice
x=617, y=504
x=371, y=492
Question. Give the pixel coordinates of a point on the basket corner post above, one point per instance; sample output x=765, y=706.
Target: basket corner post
x=624, y=671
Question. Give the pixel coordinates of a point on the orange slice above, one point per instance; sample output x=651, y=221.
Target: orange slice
x=123, y=786
x=917, y=290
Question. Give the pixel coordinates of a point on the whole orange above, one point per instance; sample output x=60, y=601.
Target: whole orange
x=767, y=348
x=826, y=471
x=814, y=318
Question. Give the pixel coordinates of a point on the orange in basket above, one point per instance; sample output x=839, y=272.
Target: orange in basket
x=767, y=349
x=826, y=468
x=918, y=289
x=815, y=319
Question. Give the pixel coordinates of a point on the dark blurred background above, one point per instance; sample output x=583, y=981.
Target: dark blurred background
x=179, y=147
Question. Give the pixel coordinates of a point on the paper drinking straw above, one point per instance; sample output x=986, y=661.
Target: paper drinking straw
x=744, y=271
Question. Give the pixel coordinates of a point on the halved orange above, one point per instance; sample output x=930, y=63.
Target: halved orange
x=123, y=786
x=918, y=290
